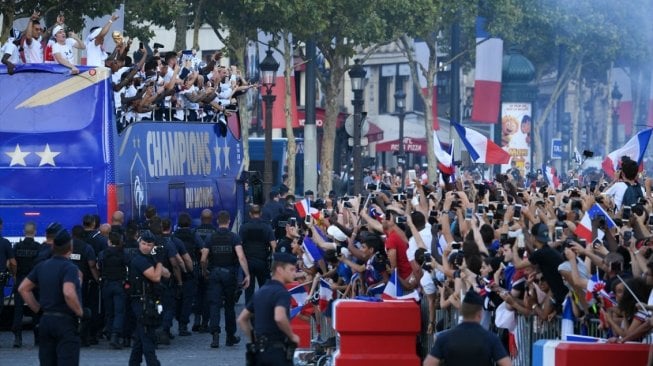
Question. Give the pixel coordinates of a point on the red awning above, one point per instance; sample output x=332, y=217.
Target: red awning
x=320, y=115
x=411, y=145
x=375, y=133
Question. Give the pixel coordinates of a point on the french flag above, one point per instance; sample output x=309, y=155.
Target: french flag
x=487, y=86
x=551, y=176
x=326, y=294
x=445, y=160
x=567, y=325
x=634, y=149
x=303, y=207
x=480, y=148
x=393, y=290
x=299, y=297
x=584, y=227
x=312, y=250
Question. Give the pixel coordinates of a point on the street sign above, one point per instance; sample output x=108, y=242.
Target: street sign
x=556, y=149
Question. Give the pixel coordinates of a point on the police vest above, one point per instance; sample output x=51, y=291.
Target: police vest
x=93, y=238
x=113, y=264
x=186, y=236
x=205, y=231
x=253, y=237
x=80, y=259
x=161, y=248
x=26, y=252
x=137, y=284
x=221, y=250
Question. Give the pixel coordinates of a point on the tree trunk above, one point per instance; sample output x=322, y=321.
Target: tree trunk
x=197, y=23
x=181, y=27
x=8, y=16
x=333, y=89
x=287, y=108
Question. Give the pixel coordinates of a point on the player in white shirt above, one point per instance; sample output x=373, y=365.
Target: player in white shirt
x=95, y=54
x=9, y=51
x=62, y=50
x=33, y=46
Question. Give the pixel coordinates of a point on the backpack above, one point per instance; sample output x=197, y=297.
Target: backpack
x=632, y=195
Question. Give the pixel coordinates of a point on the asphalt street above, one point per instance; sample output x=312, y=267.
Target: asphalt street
x=183, y=351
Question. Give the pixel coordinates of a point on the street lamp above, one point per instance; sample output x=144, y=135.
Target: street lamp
x=616, y=99
x=357, y=76
x=268, y=67
x=400, y=110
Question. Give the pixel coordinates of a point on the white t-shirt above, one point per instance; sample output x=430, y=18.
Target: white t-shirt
x=95, y=54
x=427, y=237
x=617, y=191
x=33, y=51
x=66, y=50
x=10, y=48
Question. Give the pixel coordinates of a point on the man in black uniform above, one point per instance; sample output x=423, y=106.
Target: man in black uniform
x=201, y=303
x=468, y=343
x=91, y=286
x=6, y=257
x=59, y=300
x=131, y=249
x=220, y=258
x=270, y=308
x=272, y=208
x=291, y=236
x=258, y=242
x=25, y=252
x=193, y=244
x=113, y=263
x=144, y=273
x=84, y=257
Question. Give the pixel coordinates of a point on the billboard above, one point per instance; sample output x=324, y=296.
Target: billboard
x=516, y=134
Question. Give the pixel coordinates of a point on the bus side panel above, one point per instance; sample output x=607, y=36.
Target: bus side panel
x=176, y=167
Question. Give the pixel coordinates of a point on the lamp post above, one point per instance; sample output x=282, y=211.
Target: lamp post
x=400, y=110
x=268, y=67
x=616, y=99
x=357, y=76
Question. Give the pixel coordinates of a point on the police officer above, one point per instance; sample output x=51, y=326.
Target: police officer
x=185, y=265
x=84, y=257
x=45, y=250
x=6, y=257
x=91, y=294
x=131, y=249
x=220, y=258
x=201, y=303
x=270, y=308
x=193, y=244
x=144, y=273
x=59, y=301
x=25, y=252
x=112, y=263
x=258, y=244
x=480, y=347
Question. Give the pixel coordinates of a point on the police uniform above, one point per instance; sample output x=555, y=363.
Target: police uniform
x=193, y=244
x=25, y=253
x=142, y=292
x=6, y=253
x=131, y=250
x=256, y=236
x=113, y=271
x=165, y=250
x=59, y=341
x=271, y=342
x=81, y=255
x=201, y=302
x=223, y=283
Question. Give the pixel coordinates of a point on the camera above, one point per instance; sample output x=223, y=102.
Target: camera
x=371, y=187
x=626, y=213
x=400, y=219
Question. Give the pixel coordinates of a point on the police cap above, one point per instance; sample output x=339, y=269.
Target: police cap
x=284, y=258
x=471, y=297
x=148, y=237
x=53, y=228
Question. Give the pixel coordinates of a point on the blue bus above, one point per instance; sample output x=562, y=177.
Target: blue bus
x=62, y=156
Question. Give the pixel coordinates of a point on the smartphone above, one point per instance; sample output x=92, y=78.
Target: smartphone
x=480, y=209
x=399, y=197
x=307, y=219
x=626, y=213
x=140, y=46
x=552, y=199
x=574, y=182
x=292, y=221
x=490, y=216
x=433, y=213
x=455, y=246
x=650, y=219
x=558, y=232
x=583, y=242
x=468, y=213
x=627, y=236
x=517, y=214
x=412, y=175
x=596, y=243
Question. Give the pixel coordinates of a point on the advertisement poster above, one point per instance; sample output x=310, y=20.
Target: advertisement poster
x=516, y=127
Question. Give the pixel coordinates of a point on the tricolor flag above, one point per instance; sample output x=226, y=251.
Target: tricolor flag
x=567, y=326
x=311, y=249
x=303, y=207
x=480, y=148
x=376, y=290
x=487, y=86
x=634, y=149
x=326, y=294
x=299, y=297
x=550, y=176
x=445, y=160
x=584, y=227
x=393, y=290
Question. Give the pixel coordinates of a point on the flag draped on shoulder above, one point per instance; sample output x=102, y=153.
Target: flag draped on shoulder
x=393, y=290
x=584, y=227
x=634, y=149
x=487, y=86
x=299, y=297
x=480, y=148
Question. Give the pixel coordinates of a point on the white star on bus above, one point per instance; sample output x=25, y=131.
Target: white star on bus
x=47, y=156
x=17, y=156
